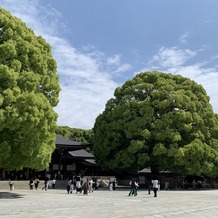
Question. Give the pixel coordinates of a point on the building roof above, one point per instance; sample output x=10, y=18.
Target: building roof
x=90, y=162
x=145, y=170
x=70, y=144
x=81, y=154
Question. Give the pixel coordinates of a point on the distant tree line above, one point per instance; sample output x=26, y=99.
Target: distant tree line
x=80, y=135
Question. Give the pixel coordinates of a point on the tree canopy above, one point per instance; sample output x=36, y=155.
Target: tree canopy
x=80, y=135
x=158, y=120
x=29, y=89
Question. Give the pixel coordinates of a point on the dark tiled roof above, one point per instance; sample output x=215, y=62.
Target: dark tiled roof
x=89, y=162
x=81, y=154
x=67, y=143
x=92, y=161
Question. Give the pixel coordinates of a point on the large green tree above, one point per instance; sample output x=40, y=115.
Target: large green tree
x=29, y=89
x=158, y=120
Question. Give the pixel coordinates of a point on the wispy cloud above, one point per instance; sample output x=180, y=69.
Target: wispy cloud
x=183, y=38
x=172, y=57
x=174, y=60
x=86, y=78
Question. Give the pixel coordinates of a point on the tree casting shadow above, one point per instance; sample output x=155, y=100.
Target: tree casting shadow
x=10, y=195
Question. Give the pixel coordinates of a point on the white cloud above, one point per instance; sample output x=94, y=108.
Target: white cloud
x=183, y=38
x=172, y=57
x=123, y=68
x=86, y=81
x=174, y=60
x=112, y=64
x=114, y=60
x=85, y=88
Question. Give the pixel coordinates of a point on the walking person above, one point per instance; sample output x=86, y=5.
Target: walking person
x=78, y=184
x=31, y=184
x=11, y=184
x=133, y=187
x=114, y=184
x=149, y=187
x=155, y=186
x=68, y=186
x=36, y=183
x=136, y=187
x=85, y=186
x=72, y=183
x=110, y=186
x=90, y=185
x=46, y=183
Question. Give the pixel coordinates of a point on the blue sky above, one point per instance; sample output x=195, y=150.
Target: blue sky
x=98, y=45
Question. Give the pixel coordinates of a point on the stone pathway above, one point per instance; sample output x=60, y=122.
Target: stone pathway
x=104, y=204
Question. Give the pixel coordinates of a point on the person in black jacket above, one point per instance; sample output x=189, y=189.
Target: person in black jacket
x=31, y=184
x=114, y=183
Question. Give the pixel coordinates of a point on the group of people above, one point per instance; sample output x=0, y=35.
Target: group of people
x=86, y=185
x=34, y=183
x=81, y=185
x=133, y=187
x=47, y=182
x=154, y=185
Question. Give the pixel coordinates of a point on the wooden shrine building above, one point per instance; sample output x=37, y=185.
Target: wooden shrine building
x=71, y=158
x=68, y=159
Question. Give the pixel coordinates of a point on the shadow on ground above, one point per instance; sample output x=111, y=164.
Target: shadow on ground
x=10, y=195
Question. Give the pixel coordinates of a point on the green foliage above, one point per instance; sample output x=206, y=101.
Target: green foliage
x=29, y=89
x=80, y=135
x=158, y=120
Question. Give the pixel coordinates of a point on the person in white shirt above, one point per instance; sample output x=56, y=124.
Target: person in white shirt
x=155, y=186
x=90, y=186
x=53, y=182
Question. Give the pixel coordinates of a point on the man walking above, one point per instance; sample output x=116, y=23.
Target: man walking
x=155, y=187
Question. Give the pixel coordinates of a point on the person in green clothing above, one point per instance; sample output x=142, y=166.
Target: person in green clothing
x=133, y=187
